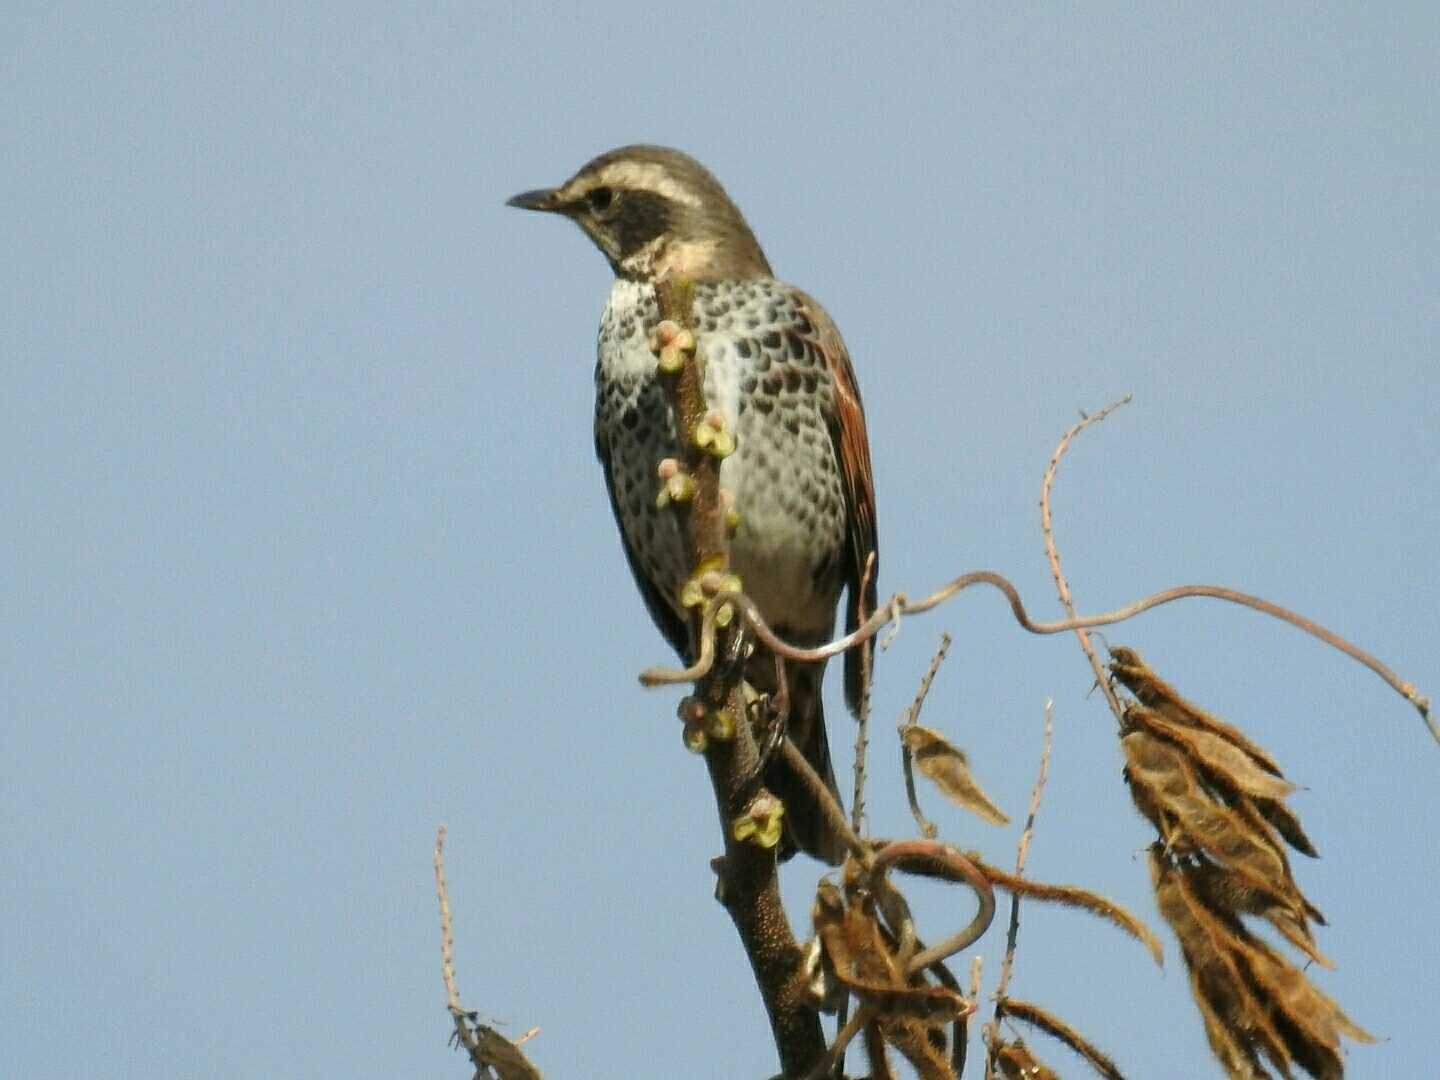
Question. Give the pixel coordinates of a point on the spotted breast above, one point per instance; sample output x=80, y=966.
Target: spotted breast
x=764, y=374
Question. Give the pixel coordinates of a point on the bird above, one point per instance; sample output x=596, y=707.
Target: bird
x=779, y=372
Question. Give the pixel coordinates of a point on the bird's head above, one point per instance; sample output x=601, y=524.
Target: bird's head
x=650, y=211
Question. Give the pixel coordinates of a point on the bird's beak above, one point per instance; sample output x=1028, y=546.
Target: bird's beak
x=539, y=199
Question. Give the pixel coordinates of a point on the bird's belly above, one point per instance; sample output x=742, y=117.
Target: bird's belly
x=791, y=532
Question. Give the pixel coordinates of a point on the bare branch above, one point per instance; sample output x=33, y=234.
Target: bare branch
x=1023, y=849
x=493, y=1055
x=447, y=953
x=1053, y=556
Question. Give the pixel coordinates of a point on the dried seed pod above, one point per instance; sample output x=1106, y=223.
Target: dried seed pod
x=1073, y=896
x=1287, y=824
x=864, y=960
x=1224, y=764
x=1229, y=894
x=1166, y=788
x=1238, y=1025
x=1029, y=1013
x=1310, y=1021
x=1018, y=1063
x=1151, y=690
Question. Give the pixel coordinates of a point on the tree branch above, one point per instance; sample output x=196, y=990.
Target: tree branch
x=747, y=887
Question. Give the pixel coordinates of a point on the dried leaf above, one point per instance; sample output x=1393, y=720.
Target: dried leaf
x=1056, y=1028
x=502, y=1055
x=1018, y=1063
x=946, y=766
x=1073, y=896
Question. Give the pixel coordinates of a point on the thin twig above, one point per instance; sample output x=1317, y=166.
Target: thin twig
x=862, y=734
x=864, y=1013
x=494, y=1056
x=912, y=715
x=1053, y=556
x=842, y=1018
x=447, y=958
x=832, y=810
x=976, y=967
x=1023, y=849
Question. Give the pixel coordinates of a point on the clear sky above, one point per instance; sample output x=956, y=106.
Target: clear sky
x=303, y=549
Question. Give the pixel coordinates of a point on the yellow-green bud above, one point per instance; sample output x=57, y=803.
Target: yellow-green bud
x=672, y=360
x=760, y=824
x=722, y=445
x=722, y=725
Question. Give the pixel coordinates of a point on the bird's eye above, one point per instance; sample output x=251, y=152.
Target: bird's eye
x=600, y=199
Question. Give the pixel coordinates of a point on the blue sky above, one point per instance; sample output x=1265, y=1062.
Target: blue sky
x=304, y=551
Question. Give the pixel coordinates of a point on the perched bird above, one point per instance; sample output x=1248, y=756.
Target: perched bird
x=778, y=371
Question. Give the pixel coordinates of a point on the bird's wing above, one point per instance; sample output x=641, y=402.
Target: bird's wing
x=670, y=624
x=852, y=450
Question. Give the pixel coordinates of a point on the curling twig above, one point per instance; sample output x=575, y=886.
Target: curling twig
x=954, y=866
x=900, y=604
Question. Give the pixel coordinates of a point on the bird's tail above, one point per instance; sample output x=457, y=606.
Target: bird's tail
x=806, y=828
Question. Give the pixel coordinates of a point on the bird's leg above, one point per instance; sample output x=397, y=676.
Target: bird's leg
x=733, y=655
x=777, y=706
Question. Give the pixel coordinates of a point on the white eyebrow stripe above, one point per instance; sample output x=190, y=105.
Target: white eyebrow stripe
x=636, y=176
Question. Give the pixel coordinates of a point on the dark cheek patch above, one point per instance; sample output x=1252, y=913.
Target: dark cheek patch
x=642, y=217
